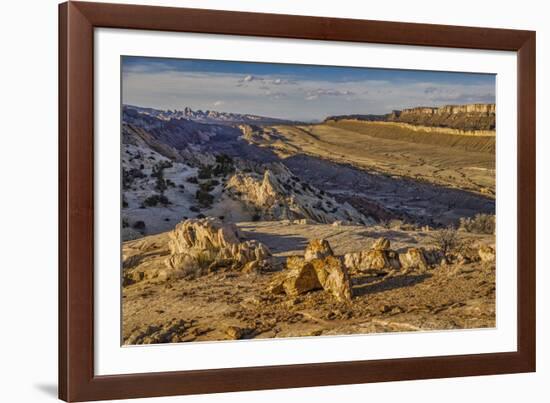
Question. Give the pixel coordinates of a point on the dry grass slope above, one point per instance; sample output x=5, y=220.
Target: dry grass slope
x=463, y=162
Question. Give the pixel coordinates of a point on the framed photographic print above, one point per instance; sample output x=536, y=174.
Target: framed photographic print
x=256, y=201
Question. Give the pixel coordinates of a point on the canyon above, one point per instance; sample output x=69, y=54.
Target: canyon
x=242, y=226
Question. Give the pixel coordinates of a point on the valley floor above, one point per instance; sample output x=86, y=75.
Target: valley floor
x=453, y=161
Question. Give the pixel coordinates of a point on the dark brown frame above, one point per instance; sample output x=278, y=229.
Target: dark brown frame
x=77, y=21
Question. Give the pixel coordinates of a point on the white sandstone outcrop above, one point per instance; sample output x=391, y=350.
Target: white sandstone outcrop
x=278, y=195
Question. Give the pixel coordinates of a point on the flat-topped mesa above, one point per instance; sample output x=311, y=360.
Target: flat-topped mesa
x=482, y=109
x=467, y=118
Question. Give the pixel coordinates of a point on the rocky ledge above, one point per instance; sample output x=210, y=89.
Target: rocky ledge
x=471, y=117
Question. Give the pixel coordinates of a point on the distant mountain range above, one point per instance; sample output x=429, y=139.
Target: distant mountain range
x=206, y=116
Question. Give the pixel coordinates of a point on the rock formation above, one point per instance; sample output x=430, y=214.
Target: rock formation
x=333, y=277
x=317, y=249
x=486, y=253
x=321, y=270
x=381, y=244
x=379, y=257
x=414, y=258
x=471, y=117
x=278, y=195
x=209, y=242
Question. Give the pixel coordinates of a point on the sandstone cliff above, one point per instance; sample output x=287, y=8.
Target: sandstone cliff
x=471, y=117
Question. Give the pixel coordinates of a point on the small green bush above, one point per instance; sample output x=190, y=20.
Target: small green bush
x=480, y=223
x=205, y=172
x=447, y=240
x=224, y=165
x=154, y=200
x=204, y=198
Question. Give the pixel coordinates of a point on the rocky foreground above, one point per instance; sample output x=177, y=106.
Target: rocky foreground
x=208, y=280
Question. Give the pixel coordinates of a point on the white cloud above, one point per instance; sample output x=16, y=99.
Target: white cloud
x=232, y=92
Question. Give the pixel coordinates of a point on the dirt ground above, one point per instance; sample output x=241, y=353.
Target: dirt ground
x=232, y=305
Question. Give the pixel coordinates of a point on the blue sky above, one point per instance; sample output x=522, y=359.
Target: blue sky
x=302, y=92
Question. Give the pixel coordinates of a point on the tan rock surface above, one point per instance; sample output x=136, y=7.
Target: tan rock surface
x=317, y=249
x=487, y=253
x=333, y=277
x=413, y=259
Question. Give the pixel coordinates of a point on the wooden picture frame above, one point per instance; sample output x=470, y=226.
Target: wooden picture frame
x=77, y=21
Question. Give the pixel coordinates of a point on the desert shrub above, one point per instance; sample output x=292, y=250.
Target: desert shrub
x=256, y=217
x=158, y=173
x=194, y=209
x=124, y=202
x=125, y=223
x=129, y=175
x=306, y=187
x=154, y=200
x=287, y=187
x=480, y=223
x=193, y=179
x=201, y=216
x=447, y=240
x=139, y=225
x=205, y=259
x=224, y=159
x=195, y=266
x=224, y=165
x=170, y=183
x=161, y=185
x=204, y=198
x=208, y=185
x=205, y=172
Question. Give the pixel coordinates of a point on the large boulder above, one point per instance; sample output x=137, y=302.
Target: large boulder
x=317, y=249
x=414, y=258
x=202, y=234
x=301, y=280
x=375, y=259
x=302, y=276
x=333, y=277
x=209, y=243
x=381, y=244
x=487, y=253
